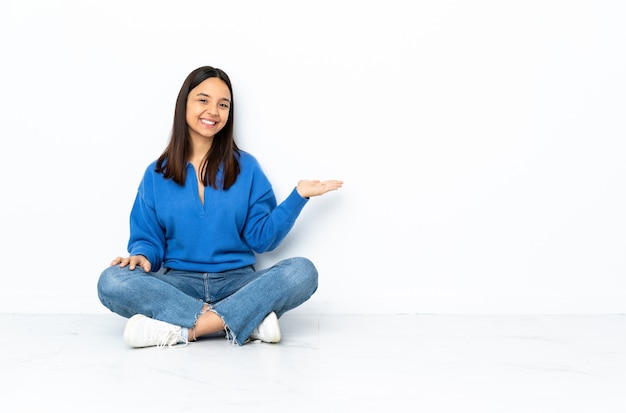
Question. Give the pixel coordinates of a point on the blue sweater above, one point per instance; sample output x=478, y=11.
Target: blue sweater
x=170, y=226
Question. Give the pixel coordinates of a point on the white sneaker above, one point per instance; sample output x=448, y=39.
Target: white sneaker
x=268, y=331
x=142, y=331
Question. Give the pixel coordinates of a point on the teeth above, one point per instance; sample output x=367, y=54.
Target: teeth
x=208, y=122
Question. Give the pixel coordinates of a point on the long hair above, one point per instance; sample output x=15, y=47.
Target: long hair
x=224, y=151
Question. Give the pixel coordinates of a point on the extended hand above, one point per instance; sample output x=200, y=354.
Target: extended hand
x=308, y=188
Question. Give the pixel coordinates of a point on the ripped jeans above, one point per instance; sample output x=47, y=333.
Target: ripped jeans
x=241, y=297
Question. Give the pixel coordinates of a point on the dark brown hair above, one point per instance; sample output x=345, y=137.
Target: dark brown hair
x=224, y=151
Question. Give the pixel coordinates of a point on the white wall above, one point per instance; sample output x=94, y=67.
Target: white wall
x=482, y=143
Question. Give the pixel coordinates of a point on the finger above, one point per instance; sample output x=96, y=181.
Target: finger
x=333, y=184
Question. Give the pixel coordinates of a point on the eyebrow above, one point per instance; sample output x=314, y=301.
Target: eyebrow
x=204, y=94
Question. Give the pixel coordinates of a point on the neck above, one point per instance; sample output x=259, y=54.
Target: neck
x=199, y=149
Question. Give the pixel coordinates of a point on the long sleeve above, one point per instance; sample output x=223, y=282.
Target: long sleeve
x=147, y=237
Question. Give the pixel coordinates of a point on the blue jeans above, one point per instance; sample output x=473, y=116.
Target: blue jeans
x=241, y=297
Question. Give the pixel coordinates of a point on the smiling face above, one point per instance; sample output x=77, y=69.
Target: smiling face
x=208, y=107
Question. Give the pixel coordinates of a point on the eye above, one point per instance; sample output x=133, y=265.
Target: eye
x=224, y=106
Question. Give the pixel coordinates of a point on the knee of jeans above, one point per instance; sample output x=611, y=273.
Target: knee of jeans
x=305, y=271
x=109, y=282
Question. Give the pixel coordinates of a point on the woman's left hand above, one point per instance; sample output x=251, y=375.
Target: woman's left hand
x=308, y=188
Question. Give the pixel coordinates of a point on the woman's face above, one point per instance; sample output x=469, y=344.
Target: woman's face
x=208, y=106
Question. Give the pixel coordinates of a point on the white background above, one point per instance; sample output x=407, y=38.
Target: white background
x=482, y=143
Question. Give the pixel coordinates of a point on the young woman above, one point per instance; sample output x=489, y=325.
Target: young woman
x=202, y=211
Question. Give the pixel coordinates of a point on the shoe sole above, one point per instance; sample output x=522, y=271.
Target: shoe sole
x=130, y=324
x=273, y=335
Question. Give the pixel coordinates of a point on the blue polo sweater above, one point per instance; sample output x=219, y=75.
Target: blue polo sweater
x=171, y=227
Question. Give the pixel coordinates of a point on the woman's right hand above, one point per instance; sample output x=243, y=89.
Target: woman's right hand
x=132, y=262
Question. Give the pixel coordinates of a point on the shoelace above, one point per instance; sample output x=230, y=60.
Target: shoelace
x=169, y=342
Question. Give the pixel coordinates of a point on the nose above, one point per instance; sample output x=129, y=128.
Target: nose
x=212, y=109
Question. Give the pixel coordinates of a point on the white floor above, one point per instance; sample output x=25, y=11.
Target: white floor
x=325, y=363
